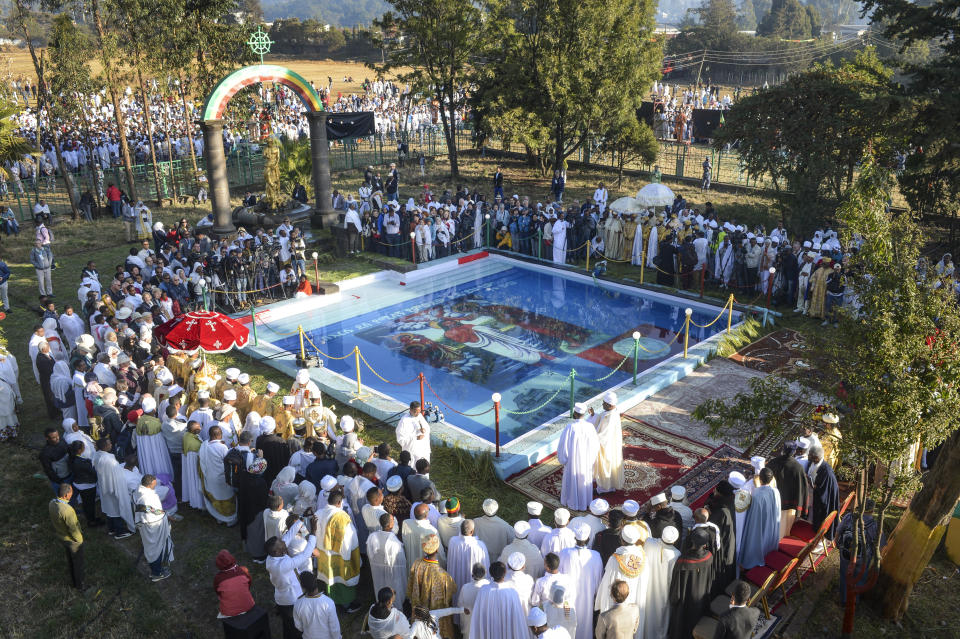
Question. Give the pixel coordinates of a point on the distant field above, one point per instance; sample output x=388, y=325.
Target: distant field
x=15, y=62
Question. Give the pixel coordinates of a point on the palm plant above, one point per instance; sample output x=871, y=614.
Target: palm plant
x=296, y=164
x=12, y=146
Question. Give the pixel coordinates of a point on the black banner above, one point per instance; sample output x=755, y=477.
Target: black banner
x=705, y=121
x=350, y=125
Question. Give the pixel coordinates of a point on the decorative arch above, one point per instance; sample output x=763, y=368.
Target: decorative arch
x=217, y=101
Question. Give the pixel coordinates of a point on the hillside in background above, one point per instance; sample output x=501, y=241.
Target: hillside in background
x=341, y=13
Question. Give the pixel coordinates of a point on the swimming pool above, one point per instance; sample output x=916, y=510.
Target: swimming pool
x=494, y=326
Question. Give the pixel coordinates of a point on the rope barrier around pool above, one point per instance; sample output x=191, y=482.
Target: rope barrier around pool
x=451, y=407
x=259, y=290
x=382, y=378
x=303, y=333
x=722, y=312
x=610, y=374
x=540, y=407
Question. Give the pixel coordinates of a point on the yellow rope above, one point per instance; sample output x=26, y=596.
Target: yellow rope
x=384, y=378
x=722, y=312
x=319, y=352
x=669, y=344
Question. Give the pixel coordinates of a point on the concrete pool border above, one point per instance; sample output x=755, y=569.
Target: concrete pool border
x=517, y=454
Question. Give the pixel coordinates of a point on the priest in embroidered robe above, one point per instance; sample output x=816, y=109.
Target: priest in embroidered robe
x=219, y=497
x=825, y=492
x=609, y=467
x=339, y=562
x=388, y=564
x=497, y=612
x=761, y=527
x=465, y=550
x=627, y=564
x=429, y=586
x=661, y=556
x=583, y=571
x=577, y=452
x=690, y=585
x=189, y=467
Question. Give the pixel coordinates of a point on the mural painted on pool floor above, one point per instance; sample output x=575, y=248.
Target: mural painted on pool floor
x=518, y=332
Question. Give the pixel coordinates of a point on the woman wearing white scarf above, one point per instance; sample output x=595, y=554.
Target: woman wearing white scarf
x=284, y=485
x=306, y=498
x=57, y=350
x=61, y=385
x=9, y=395
x=72, y=433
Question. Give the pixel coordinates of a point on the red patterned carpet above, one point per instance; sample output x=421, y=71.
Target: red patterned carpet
x=654, y=460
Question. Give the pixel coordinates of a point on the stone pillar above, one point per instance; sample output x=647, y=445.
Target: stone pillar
x=217, y=177
x=320, y=154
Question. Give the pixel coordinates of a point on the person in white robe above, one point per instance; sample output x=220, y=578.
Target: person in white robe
x=190, y=468
x=388, y=564
x=636, y=253
x=115, y=499
x=219, y=497
x=466, y=550
x=448, y=524
x=660, y=556
x=72, y=325
x=561, y=610
x=561, y=537
x=538, y=529
x=577, y=452
x=477, y=228
x=415, y=531
x=519, y=580
x=385, y=620
x=533, y=560
x=61, y=386
x=627, y=563
x=413, y=434
x=33, y=348
x=154, y=528
x=493, y=531
x=468, y=597
x=497, y=611
x=559, y=234
x=653, y=244
x=583, y=570
x=540, y=628
x=598, y=508
x=552, y=575
x=314, y=614
x=723, y=269
x=274, y=518
x=285, y=486
x=80, y=402
x=609, y=466
x=72, y=433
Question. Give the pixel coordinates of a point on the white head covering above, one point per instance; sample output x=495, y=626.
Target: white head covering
x=229, y=395
x=599, y=507
x=534, y=508
x=677, y=493
x=394, y=484
x=148, y=404
x=536, y=617
x=758, y=462
x=736, y=479
x=268, y=425
x=670, y=535
x=272, y=388
x=610, y=398
x=582, y=532
x=346, y=424
x=631, y=508
x=303, y=376
x=232, y=373
x=659, y=498
x=490, y=507
x=521, y=529
x=579, y=408
x=288, y=400
x=561, y=516
x=630, y=534
x=243, y=378
x=516, y=561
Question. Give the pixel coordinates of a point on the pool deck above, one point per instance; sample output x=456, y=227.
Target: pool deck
x=640, y=399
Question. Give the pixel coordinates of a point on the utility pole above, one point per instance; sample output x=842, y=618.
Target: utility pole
x=703, y=59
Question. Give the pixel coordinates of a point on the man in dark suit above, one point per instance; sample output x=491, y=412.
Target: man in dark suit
x=621, y=621
x=740, y=620
x=498, y=183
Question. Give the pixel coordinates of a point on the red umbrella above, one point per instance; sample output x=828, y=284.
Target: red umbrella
x=206, y=331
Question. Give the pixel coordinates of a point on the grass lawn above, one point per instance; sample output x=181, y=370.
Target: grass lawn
x=123, y=603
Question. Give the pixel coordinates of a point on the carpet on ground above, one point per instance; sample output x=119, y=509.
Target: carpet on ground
x=779, y=352
x=654, y=460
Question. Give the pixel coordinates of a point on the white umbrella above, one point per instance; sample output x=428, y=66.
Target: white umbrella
x=655, y=194
x=626, y=205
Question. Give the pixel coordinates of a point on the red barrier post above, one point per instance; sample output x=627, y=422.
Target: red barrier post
x=772, y=271
x=413, y=248
x=496, y=417
x=316, y=271
x=421, y=390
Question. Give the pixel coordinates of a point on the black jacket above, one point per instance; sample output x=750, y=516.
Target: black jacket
x=55, y=461
x=738, y=623
x=83, y=471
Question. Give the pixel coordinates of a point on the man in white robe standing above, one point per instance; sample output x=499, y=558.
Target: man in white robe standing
x=561, y=537
x=598, y=508
x=627, y=564
x=464, y=552
x=653, y=243
x=152, y=452
x=497, y=611
x=114, y=497
x=533, y=560
x=577, y=452
x=79, y=385
x=661, y=555
x=218, y=496
x=558, y=231
x=761, y=528
x=521, y=581
x=538, y=529
x=492, y=530
x=415, y=531
x=190, y=467
x=154, y=528
x=468, y=597
x=609, y=466
x=388, y=564
x=583, y=569
x=413, y=434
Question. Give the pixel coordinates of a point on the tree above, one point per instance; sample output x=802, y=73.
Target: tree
x=629, y=140
x=747, y=16
x=567, y=66
x=893, y=370
x=12, y=146
x=790, y=20
x=438, y=44
x=809, y=133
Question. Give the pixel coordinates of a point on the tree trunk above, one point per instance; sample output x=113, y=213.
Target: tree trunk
x=153, y=148
x=117, y=113
x=920, y=530
x=450, y=136
x=558, y=143
x=44, y=97
x=188, y=117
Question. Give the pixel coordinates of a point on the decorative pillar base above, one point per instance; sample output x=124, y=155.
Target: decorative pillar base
x=217, y=177
x=320, y=154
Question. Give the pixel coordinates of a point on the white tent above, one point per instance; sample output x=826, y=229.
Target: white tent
x=655, y=194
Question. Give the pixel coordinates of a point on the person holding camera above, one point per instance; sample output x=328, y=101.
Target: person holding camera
x=282, y=569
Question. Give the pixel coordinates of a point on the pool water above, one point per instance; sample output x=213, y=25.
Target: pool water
x=509, y=329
